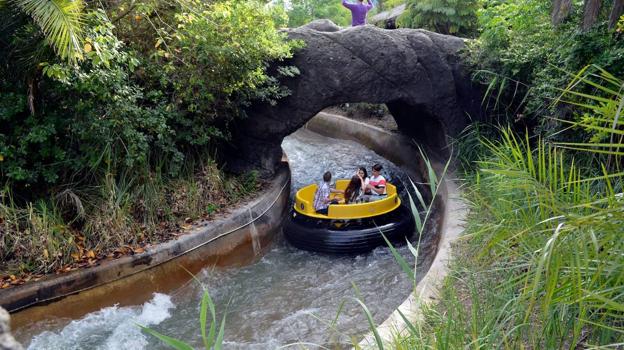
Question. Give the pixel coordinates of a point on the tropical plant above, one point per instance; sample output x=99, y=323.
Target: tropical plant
x=60, y=23
x=526, y=58
x=213, y=59
x=301, y=12
x=442, y=16
x=542, y=262
x=95, y=147
x=602, y=119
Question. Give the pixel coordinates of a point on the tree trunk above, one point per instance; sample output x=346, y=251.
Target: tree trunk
x=590, y=13
x=560, y=11
x=32, y=85
x=616, y=12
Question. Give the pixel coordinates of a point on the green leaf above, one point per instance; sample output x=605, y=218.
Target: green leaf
x=371, y=324
x=402, y=262
x=175, y=343
x=61, y=22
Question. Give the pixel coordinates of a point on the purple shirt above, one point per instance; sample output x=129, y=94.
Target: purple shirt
x=358, y=12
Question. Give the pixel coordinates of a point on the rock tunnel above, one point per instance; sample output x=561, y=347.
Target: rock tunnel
x=417, y=74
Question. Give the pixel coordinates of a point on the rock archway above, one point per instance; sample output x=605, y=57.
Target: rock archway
x=416, y=73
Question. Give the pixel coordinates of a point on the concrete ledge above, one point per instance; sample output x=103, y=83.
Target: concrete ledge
x=237, y=239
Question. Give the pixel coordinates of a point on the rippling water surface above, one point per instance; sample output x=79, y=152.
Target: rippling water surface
x=288, y=296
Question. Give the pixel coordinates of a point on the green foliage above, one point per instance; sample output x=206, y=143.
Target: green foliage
x=526, y=59
x=59, y=21
x=117, y=147
x=600, y=113
x=301, y=12
x=118, y=110
x=95, y=118
x=542, y=265
x=456, y=17
x=216, y=58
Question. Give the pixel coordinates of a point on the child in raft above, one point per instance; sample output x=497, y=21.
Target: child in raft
x=321, y=196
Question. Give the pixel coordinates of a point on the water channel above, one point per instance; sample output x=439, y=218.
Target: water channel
x=288, y=296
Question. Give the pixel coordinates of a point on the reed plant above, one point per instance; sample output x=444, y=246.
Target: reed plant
x=211, y=338
x=541, y=264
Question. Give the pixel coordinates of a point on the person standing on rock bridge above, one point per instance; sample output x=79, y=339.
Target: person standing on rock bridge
x=358, y=11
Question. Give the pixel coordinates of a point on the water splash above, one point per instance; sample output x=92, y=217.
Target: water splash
x=112, y=328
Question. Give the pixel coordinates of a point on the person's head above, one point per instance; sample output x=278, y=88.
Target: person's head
x=353, y=186
x=327, y=176
x=377, y=169
x=362, y=172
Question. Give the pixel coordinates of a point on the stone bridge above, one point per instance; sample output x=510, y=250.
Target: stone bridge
x=418, y=75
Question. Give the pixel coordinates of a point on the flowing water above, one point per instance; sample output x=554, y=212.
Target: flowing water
x=288, y=296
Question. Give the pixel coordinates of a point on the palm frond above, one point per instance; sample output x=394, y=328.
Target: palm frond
x=60, y=21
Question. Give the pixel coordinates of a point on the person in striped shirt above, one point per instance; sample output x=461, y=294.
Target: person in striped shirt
x=377, y=183
x=321, y=196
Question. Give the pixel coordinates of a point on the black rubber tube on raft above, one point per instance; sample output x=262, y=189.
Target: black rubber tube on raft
x=354, y=236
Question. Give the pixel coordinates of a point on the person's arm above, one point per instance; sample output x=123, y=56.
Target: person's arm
x=369, y=5
x=380, y=187
x=333, y=190
x=347, y=5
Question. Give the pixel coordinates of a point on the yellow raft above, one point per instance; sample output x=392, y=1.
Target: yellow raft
x=348, y=228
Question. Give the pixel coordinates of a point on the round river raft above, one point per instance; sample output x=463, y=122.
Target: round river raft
x=348, y=228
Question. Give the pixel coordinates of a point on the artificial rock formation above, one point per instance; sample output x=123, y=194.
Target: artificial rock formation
x=7, y=342
x=416, y=73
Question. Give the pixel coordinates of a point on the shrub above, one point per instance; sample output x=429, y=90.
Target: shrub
x=443, y=16
x=119, y=110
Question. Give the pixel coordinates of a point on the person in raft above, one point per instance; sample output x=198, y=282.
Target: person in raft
x=358, y=11
x=321, y=196
x=354, y=190
x=364, y=180
x=377, y=183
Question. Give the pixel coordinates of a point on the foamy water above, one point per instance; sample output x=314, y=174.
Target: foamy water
x=111, y=328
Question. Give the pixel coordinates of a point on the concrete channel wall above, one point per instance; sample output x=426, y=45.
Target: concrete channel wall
x=238, y=238
x=449, y=213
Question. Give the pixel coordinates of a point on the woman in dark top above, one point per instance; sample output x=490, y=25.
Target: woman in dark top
x=352, y=193
x=364, y=180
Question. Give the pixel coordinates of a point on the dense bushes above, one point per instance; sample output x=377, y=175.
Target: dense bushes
x=87, y=116
x=92, y=146
x=541, y=263
x=301, y=12
x=524, y=59
x=457, y=17
x=100, y=114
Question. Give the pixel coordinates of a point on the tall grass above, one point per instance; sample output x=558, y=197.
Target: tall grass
x=542, y=261
x=45, y=242
x=77, y=225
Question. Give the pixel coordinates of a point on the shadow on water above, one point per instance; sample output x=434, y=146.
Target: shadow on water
x=287, y=296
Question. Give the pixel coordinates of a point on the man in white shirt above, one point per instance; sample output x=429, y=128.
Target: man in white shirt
x=377, y=183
